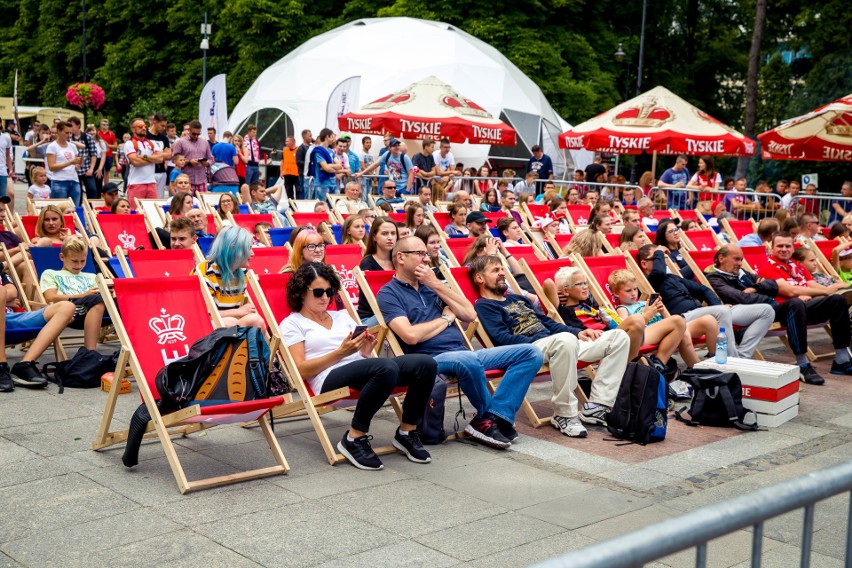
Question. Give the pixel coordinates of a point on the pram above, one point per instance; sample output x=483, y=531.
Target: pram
x=223, y=178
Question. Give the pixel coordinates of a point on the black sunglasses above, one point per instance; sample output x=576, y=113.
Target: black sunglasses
x=318, y=292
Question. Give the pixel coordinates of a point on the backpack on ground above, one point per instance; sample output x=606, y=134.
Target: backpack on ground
x=431, y=428
x=82, y=371
x=717, y=400
x=640, y=410
x=230, y=364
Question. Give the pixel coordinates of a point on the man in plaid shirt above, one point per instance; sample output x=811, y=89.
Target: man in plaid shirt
x=88, y=151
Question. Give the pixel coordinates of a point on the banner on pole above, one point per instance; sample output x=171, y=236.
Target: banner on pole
x=213, y=105
x=343, y=99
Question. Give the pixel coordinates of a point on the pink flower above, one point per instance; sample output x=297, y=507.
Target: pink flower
x=85, y=95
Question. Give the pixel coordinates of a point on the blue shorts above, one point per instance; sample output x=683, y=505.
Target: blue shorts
x=25, y=320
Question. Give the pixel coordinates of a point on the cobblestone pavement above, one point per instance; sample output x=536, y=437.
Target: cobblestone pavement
x=65, y=505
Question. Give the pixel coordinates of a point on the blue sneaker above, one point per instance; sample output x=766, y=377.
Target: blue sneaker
x=841, y=368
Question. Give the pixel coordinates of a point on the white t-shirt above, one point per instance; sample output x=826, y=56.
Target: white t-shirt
x=444, y=163
x=5, y=146
x=39, y=191
x=319, y=341
x=63, y=154
x=717, y=181
x=139, y=174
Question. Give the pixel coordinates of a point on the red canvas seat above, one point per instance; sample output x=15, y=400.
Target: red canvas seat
x=344, y=259
x=312, y=219
x=248, y=220
x=457, y=248
x=129, y=232
x=702, y=239
x=268, y=260
x=28, y=222
x=579, y=214
x=159, y=263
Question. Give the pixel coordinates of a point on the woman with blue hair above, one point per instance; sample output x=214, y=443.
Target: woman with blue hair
x=224, y=273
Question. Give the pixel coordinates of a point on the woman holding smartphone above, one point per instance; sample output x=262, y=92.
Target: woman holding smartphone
x=329, y=354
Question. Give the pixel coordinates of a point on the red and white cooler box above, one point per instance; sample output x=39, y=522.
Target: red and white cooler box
x=769, y=389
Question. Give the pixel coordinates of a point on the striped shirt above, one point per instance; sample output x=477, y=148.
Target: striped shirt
x=224, y=298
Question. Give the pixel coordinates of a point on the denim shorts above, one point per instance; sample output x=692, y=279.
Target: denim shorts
x=25, y=320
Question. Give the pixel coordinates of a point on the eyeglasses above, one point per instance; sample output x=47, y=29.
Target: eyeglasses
x=191, y=133
x=318, y=292
x=369, y=216
x=579, y=285
x=388, y=187
x=315, y=247
x=421, y=253
x=674, y=231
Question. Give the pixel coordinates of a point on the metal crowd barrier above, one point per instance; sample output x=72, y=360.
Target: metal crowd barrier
x=697, y=528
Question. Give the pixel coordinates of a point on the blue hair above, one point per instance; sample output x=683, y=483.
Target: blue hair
x=230, y=249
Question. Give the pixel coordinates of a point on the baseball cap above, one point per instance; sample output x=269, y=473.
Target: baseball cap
x=393, y=142
x=544, y=221
x=345, y=136
x=477, y=217
x=110, y=188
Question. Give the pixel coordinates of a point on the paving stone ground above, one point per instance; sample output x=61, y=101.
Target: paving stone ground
x=65, y=505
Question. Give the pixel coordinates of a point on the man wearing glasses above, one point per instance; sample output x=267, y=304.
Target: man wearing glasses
x=389, y=195
x=196, y=150
x=810, y=228
x=422, y=312
x=141, y=157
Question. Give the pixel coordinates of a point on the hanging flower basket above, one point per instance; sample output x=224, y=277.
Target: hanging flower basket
x=85, y=95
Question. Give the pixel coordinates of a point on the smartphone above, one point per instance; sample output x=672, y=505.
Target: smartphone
x=359, y=330
x=653, y=298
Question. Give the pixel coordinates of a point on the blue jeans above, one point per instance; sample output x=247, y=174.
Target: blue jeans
x=252, y=174
x=61, y=189
x=3, y=182
x=520, y=363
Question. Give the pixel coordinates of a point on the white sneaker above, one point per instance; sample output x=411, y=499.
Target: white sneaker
x=569, y=426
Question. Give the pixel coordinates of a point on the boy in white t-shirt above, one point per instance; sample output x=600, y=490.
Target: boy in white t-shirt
x=39, y=189
x=72, y=284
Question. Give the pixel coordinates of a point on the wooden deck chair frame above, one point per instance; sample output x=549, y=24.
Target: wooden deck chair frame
x=823, y=259
x=153, y=210
x=176, y=423
x=148, y=227
x=34, y=206
x=475, y=329
x=690, y=245
x=27, y=304
x=303, y=205
x=729, y=230
x=126, y=266
x=311, y=405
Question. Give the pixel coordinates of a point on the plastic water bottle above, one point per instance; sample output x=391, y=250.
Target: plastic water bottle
x=721, y=347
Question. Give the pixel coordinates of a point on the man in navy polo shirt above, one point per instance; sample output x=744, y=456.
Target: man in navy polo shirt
x=422, y=312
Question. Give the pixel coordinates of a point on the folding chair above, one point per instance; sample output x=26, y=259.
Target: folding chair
x=736, y=230
x=306, y=219
x=560, y=241
x=157, y=323
x=278, y=237
x=456, y=249
x=34, y=206
x=248, y=220
x=439, y=219
x=824, y=251
x=579, y=216
x=528, y=252
x=158, y=263
x=25, y=225
x=344, y=259
x=611, y=242
x=129, y=232
x=153, y=209
x=303, y=205
x=534, y=212
x=269, y=260
x=701, y=239
x=269, y=293
x=539, y=271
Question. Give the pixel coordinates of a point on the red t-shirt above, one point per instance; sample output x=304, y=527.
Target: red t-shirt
x=774, y=269
x=109, y=138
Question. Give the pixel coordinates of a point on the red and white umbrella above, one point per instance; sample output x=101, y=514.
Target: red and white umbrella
x=429, y=108
x=824, y=134
x=657, y=121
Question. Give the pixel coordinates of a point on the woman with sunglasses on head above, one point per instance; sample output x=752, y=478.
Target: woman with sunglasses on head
x=668, y=235
x=224, y=274
x=330, y=355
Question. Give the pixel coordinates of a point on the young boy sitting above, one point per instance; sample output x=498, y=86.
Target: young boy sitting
x=261, y=235
x=72, y=284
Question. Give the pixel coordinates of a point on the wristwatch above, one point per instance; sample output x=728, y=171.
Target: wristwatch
x=448, y=319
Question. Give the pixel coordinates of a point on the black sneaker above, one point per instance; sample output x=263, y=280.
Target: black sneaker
x=810, y=376
x=507, y=429
x=26, y=375
x=841, y=369
x=360, y=453
x=485, y=431
x=6, y=383
x=411, y=446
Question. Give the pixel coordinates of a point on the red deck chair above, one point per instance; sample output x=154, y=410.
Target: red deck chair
x=736, y=230
x=826, y=231
x=701, y=239
x=312, y=219
x=562, y=241
x=441, y=219
x=157, y=263
x=28, y=222
x=535, y=211
x=248, y=220
x=344, y=259
x=528, y=252
x=129, y=232
x=537, y=272
x=684, y=214
x=612, y=240
x=396, y=217
x=269, y=260
x=457, y=248
x=158, y=321
x=495, y=218
x=579, y=215
x=823, y=251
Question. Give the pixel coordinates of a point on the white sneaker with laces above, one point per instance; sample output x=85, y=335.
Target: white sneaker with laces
x=570, y=426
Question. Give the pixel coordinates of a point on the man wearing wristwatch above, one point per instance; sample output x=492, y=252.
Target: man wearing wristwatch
x=422, y=312
x=141, y=157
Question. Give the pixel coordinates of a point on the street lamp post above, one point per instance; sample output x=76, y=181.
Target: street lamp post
x=620, y=56
x=205, y=45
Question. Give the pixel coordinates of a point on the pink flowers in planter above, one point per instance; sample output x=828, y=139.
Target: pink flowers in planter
x=85, y=95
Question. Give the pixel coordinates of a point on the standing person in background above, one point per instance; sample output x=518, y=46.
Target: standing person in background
x=290, y=167
x=141, y=157
x=62, y=161
x=242, y=158
x=354, y=160
x=88, y=153
x=100, y=159
x=254, y=155
x=196, y=150
x=400, y=170
x=367, y=160
x=425, y=162
x=111, y=142
x=707, y=179
x=7, y=165
x=121, y=167
x=157, y=135
x=301, y=154
x=675, y=179
x=541, y=164
x=325, y=167
x=224, y=151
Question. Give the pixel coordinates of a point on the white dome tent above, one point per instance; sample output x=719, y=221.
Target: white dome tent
x=340, y=70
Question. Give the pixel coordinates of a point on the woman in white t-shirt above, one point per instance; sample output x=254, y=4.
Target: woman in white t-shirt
x=329, y=357
x=62, y=160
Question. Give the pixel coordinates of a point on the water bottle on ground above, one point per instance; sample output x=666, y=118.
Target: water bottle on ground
x=721, y=347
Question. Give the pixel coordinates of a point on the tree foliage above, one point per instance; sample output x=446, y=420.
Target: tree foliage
x=146, y=55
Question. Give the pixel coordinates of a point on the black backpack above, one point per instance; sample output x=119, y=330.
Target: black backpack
x=230, y=364
x=640, y=410
x=82, y=371
x=431, y=428
x=717, y=400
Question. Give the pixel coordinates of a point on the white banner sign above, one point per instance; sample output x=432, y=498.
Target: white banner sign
x=213, y=105
x=810, y=178
x=343, y=99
